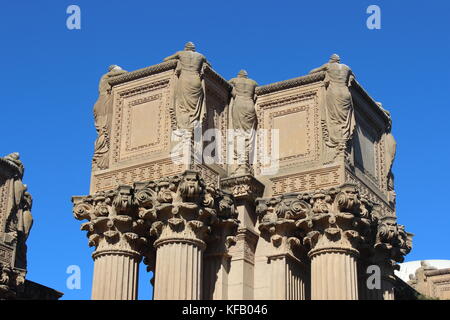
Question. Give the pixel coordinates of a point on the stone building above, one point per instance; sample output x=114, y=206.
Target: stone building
x=232, y=190
x=431, y=282
x=15, y=225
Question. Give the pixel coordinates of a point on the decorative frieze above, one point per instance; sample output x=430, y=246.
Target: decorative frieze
x=307, y=181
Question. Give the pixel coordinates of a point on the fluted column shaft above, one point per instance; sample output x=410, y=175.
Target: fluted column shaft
x=334, y=275
x=178, y=273
x=115, y=231
x=215, y=277
x=287, y=279
x=115, y=275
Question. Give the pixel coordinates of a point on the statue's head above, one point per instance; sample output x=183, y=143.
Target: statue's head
x=189, y=46
x=114, y=67
x=13, y=156
x=14, y=159
x=242, y=74
x=335, y=58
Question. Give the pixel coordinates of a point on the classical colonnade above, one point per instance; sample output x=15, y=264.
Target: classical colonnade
x=303, y=245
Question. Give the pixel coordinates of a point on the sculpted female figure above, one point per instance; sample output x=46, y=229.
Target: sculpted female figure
x=243, y=116
x=339, y=116
x=189, y=91
x=102, y=117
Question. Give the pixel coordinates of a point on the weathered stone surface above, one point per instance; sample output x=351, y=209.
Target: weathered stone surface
x=304, y=220
x=189, y=93
x=16, y=221
x=243, y=117
x=338, y=119
x=431, y=282
x=103, y=109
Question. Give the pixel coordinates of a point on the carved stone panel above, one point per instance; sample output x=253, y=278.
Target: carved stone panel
x=144, y=172
x=141, y=125
x=295, y=116
x=4, y=203
x=216, y=119
x=306, y=181
x=365, y=151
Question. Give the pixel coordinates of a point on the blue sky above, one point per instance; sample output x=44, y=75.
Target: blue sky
x=49, y=78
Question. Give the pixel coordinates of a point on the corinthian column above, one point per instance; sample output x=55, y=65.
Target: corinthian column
x=391, y=245
x=115, y=231
x=338, y=222
x=333, y=274
x=183, y=212
x=245, y=190
x=281, y=268
x=217, y=256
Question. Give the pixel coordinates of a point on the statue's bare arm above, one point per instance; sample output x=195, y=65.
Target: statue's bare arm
x=322, y=68
x=175, y=56
x=254, y=95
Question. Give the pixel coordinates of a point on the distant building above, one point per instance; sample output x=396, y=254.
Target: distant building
x=431, y=278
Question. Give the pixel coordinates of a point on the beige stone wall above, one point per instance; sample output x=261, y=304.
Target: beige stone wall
x=142, y=125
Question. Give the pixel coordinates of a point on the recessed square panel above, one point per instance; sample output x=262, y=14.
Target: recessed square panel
x=364, y=150
x=144, y=125
x=293, y=133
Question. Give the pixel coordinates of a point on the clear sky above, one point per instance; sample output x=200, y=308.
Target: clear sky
x=49, y=78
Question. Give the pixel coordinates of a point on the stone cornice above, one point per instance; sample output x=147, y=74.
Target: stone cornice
x=161, y=67
x=359, y=88
x=290, y=83
x=438, y=272
x=214, y=75
x=316, y=77
x=141, y=73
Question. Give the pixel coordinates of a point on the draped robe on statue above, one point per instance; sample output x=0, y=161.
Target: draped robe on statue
x=189, y=98
x=102, y=117
x=243, y=116
x=243, y=107
x=189, y=90
x=339, y=114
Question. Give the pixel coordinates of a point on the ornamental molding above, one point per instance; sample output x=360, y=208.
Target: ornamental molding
x=180, y=208
x=141, y=73
x=291, y=83
x=245, y=186
x=333, y=220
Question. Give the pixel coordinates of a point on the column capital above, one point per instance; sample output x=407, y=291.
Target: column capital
x=277, y=219
x=113, y=224
x=340, y=220
x=243, y=187
x=183, y=208
x=336, y=219
x=12, y=281
x=392, y=242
